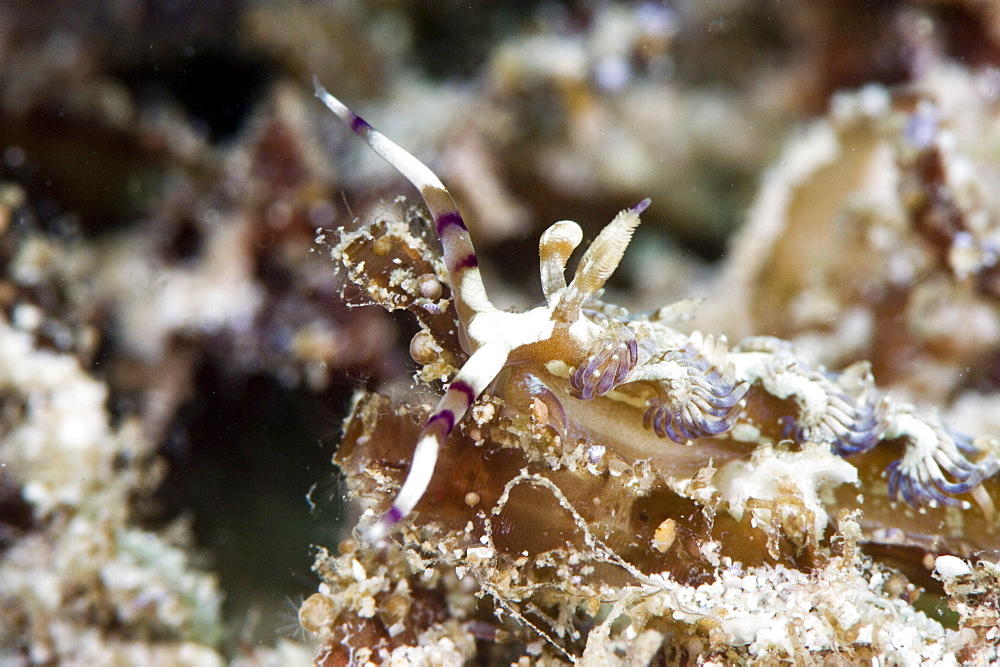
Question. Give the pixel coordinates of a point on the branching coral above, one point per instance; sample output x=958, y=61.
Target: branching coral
x=584, y=392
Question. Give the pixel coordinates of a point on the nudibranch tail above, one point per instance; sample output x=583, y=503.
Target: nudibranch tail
x=459, y=254
x=471, y=380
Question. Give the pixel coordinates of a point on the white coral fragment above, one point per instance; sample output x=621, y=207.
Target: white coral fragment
x=776, y=611
x=950, y=567
x=81, y=561
x=771, y=473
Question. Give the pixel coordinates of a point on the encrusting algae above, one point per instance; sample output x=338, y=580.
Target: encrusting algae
x=597, y=486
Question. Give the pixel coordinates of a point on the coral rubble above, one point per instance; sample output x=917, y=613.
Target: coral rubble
x=875, y=236
x=78, y=581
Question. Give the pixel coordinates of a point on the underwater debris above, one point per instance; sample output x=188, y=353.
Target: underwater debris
x=875, y=236
x=369, y=608
x=973, y=596
x=602, y=431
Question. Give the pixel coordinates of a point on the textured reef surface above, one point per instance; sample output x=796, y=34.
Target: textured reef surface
x=625, y=492
x=759, y=427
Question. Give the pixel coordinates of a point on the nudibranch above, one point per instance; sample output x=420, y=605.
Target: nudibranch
x=636, y=384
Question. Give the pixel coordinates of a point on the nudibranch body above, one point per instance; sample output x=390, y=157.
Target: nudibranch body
x=602, y=372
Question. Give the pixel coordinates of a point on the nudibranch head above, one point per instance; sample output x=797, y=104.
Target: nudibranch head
x=494, y=338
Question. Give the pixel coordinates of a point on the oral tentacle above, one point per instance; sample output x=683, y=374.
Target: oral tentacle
x=471, y=380
x=460, y=258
